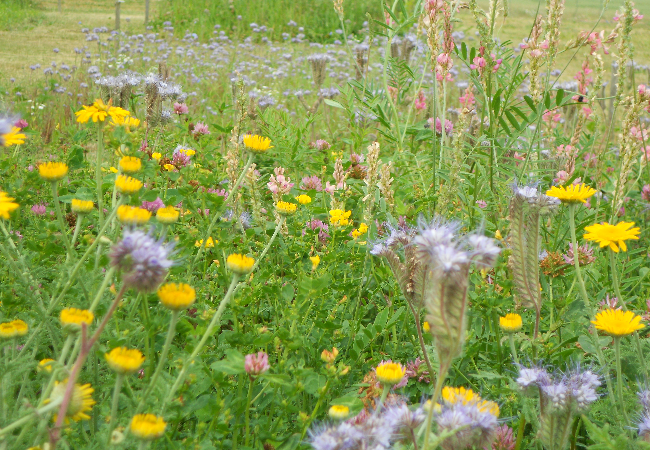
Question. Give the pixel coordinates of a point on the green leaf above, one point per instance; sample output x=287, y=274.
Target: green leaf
x=505, y=126
x=512, y=120
x=559, y=97
x=529, y=101
x=333, y=103
x=232, y=364
x=76, y=158
x=463, y=50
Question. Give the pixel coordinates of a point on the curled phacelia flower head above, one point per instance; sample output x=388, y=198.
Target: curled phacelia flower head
x=144, y=262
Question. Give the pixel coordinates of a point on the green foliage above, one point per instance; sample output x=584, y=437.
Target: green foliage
x=20, y=14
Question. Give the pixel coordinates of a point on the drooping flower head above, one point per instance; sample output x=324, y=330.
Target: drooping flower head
x=72, y=319
x=144, y=262
x=240, y=264
x=390, y=373
x=130, y=164
x=613, y=236
x=127, y=185
x=82, y=206
x=167, y=215
x=132, y=215
x=80, y=403
x=510, y=323
x=339, y=412
x=13, y=137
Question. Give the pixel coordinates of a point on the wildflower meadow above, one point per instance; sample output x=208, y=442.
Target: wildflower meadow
x=338, y=226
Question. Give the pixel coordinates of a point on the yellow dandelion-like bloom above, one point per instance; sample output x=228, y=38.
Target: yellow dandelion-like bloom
x=130, y=164
x=618, y=323
x=80, y=403
x=613, y=236
x=126, y=121
x=20, y=327
x=176, y=296
x=99, y=110
x=315, y=261
x=285, y=208
x=127, y=185
x=210, y=243
x=73, y=318
x=7, y=205
x=240, y=264
x=7, y=330
x=53, y=171
x=132, y=215
x=167, y=215
x=510, y=323
x=575, y=193
x=390, y=372
x=45, y=365
x=82, y=206
x=339, y=412
x=304, y=199
x=124, y=360
x=426, y=327
x=147, y=426
x=14, y=137
x=156, y=156
x=461, y=395
x=257, y=143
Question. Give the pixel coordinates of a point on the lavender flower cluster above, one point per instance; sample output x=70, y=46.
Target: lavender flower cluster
x=397, y=423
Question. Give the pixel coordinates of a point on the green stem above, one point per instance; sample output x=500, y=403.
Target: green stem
x=100, y=292
x=59, y=216
x=116, y=400
x=162, y=360
x=208, y=332
x=98, y=174
x=513, y=349
x=268, y=245
x=619, y=376
x=442, y=375
x=77, y=229
x=617, y=291
x=18, y=423
x=247, y=418
x=208, y=233
x=384, y=394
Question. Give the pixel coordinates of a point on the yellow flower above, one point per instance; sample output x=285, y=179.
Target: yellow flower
x=304, y=199
x=98, y=111
x=510, y=323
x=210, y=243
x=571, y=194
x=82, y=206
x=45, y=365
x=80, y=403
x=53, y=171
x=176, y=296
x=7, y=330
x=339, y=412
x=7, y=205
x=390, y=372
x=14, y=137
x=124, y=360
x=156, y=156
x=315, y=261
x=240, y=264
x=127, y=185
x=187, y=151
x=329, y=356
x=363, y=228
x=132, y=215
x=355, y=233
x=167, y=215
x=128, y=122
x=147, y=426
x=340, y=217
x=130, y=164
x=169, y=167
x=617, y=323
x=112, y=169
x=257, y=143
x=20, y=327
x=426, y=327
x=463, y=396
x=285, y=208
x=613, y=236
x=73, y=318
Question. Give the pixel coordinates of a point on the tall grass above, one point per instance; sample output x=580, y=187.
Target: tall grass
x=19, y=14
x=317, y=17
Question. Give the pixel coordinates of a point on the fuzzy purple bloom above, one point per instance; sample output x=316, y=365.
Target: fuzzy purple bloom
x=39, y=209
x=312, y=182
x=256, y=363
x=154, y=206
x=144, y=262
